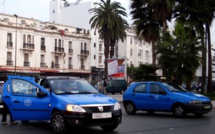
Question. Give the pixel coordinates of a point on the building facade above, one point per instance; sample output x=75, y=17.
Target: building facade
x=32, y=47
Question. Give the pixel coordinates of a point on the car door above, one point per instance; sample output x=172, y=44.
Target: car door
x=140, y=96
x=23, y=102
x=158, y=98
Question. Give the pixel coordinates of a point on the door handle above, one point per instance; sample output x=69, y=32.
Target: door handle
x=16, y=101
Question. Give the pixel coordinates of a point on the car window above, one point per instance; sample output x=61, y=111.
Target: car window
x=68, y=86
x=22, y=87
x=115, y=83
x=140, y=88
x=172, y=87
x=156, y=89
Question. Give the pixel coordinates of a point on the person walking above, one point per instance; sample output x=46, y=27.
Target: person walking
x=5, y=112
x=104, y=87
x=100, y=85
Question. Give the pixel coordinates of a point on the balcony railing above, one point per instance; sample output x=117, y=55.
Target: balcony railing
x=43, y=47
x=85, y=52
x=59, y=49
x=42, y=64
x=28, y=46
x=70, y=51
x=82, y=66
x=56, y=65
x=9, y=44
x=26, y=63
x=70, y=66
x=9, y=63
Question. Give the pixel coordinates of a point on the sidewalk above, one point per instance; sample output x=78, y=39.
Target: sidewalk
x=118, y=97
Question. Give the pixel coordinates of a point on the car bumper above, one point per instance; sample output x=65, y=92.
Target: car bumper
x=85, y=119
x=198, y=108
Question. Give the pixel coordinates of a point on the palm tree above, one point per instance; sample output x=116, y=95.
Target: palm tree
x=183, y=50
x=105, y=17
x=196, y=14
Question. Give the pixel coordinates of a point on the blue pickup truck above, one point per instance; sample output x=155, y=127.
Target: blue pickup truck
x=63, y=101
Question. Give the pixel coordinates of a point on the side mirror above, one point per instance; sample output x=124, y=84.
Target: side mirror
x=41, y=94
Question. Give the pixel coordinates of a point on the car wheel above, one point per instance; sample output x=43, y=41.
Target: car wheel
x=199, y=114
x=130, y=108
x=58, y=123
x=179, y=111
x=109, y=127
x=25, y=122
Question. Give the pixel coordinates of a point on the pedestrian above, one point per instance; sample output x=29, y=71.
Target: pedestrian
x=104, y=87
x=100, y=85
x=5, y=112
x=173, y=79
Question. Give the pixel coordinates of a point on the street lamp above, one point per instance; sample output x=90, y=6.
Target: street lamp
x=15, y=42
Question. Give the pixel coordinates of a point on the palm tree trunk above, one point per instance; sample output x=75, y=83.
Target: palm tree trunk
x=112, y=44
x=106, y=50
x=203, y=64
x=209, y=86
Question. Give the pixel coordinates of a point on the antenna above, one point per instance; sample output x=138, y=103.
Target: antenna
x=3, y=3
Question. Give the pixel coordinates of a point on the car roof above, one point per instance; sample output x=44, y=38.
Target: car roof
x=63, y=77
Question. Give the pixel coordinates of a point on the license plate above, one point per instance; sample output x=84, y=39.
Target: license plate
x=207, y=107
x=101, y=115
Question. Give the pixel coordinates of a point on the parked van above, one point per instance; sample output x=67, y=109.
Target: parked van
x=116, y=86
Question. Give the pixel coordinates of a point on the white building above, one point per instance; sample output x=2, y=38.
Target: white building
x=31, y=47
x=77, y=14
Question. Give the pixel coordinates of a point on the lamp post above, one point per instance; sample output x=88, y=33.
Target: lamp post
x=15, y=42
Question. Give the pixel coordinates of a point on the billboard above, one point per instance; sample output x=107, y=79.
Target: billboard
x=116, y=68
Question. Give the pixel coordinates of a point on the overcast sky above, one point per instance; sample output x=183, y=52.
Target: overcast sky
x=39, y=9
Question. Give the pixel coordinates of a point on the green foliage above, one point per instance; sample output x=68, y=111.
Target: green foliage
x=210, y=95
x=142, y=72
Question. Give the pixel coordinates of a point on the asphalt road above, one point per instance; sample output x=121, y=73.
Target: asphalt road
x=140, y=123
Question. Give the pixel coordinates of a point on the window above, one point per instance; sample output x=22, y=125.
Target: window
x=131, y=52
x=42, y=41
x=9, y=37
x=24, y=38
x=53, y=11
x=70, y=61
x=156, y=89
x=100, y=47
x=42, y=58
x=23, y=88
x=55, y=42
x=22, y=21
x=94, y=56
x=100, y=59
x=141, y=88
x=9, y=56
x=147, y=55
x=26, y=57
x=130, y=40
x=59, y=43
x=29, y=39
x=70, y=44
x=94, y=44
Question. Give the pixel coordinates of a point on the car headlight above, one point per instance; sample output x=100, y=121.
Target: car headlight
x=195, y=102
x=117, y=106
x=75, y=108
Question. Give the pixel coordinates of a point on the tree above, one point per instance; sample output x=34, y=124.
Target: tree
x=149, y=16
x=105, y=17
x=196, y=14
x=182, y=48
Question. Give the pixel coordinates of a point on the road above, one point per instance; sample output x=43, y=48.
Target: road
x=140, y=123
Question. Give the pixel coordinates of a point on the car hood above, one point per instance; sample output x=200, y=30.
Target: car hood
x=193, y=96
x=87, y=99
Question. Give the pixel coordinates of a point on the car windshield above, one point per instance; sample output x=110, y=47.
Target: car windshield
x=172, y=87
x=69, y=86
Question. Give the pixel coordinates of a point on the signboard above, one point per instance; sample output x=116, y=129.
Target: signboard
x=116, y=68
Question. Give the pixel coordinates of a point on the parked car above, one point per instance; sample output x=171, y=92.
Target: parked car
x=63, y=101
x=168, y=97
x=116, y=86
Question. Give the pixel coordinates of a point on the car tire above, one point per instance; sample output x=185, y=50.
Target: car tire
x=130, y=108
x=179, y=111
x=25, y=122
x=58, y=123
x=199, y=114
x=109, y=127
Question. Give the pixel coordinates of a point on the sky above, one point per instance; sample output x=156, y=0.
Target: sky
x=39, y=9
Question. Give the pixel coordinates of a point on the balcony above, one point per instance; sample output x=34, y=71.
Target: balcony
x=70, y=67
x=83, y=67
x=9, y=44
x=70, y=51
x=28, y=47
x=84, y=52
x=56, y=65
x=26, y=63
x=43, y=47
x=42, y=64
x=9, y=63
x=59, y=49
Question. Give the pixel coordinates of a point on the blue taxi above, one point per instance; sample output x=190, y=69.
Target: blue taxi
x=63, y=101
x=167, y=97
